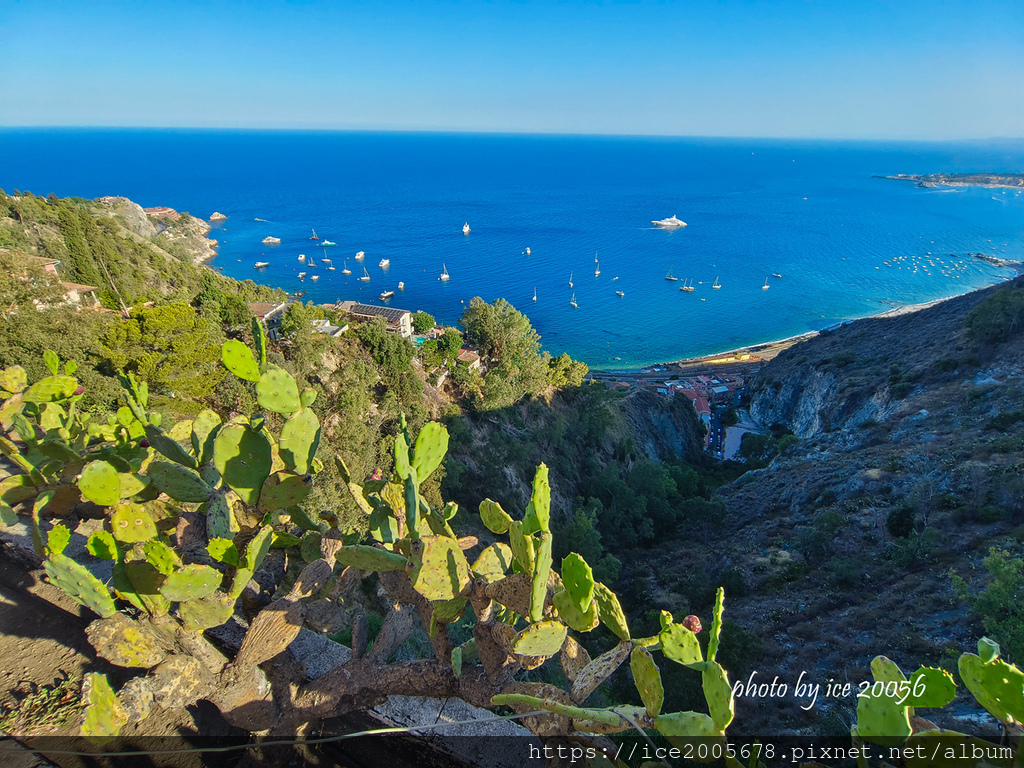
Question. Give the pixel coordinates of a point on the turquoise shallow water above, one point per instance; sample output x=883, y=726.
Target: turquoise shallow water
x=846, y=244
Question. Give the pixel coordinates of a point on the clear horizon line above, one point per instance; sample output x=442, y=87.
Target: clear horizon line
x=524, y=133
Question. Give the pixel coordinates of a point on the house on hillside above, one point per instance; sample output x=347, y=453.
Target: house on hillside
x=74, y=293
x=270, y=314
x=469, y=358
x=398, y=320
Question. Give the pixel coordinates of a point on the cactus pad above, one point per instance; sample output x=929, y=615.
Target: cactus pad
x=220, y=517
x=599, y=670
x=300, y=437
x=223, y=551
x=244, y=459
x=541, y=572
x=192, y=582
x=494, y=517
x=161, y=557
x=52, y=360
x=7, y=515
x=403, y=467
x=50, y=389
x=131, y=523
x=364, y=558
x=168, y=447
x=523, y=550
x=647, y=678
x=680, y=644
x=544, y=638
x=882, y=720
x=104, y=715
x=449, y=611
x=885, y=670
x=683, y=729
x=493, y=563
x=259, y=337
x=431, y=446
x=718, y=694
x=13, y=379
x=581, y=621
x=988, y=649
x=277, y=391
x=80, y=585
x=307, y=397
x=132, y=484
x=178, y=482
x=939, y=688
x=610, y=611
x=998, y=686
x=204, y=431
x=283, y=490
x=541, y=499
x=438, y=568
x=309, y=546
x=578, y=579
x=238, y=359
x=57, y=540
x=212, y=611
x=100, y=484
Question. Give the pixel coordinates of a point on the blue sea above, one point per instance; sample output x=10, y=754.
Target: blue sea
x=844, y=243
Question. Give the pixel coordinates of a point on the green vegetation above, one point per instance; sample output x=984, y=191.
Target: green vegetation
x=422, y=322
x=999, y=604
x=998, y=317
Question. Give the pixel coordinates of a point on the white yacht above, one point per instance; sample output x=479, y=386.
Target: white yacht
x=301, y=275
x=314, y=277
x=671, y=221
x=597, y=269
x=620, y=294
x=570, y=279
x=326, y=243
x=535, y=293
x=384, y=263
x=366, y=276
x=686, y=286
x=302, y=257
x=444, y=275
x=465, y=228
x=262, y=264
x=360, y=255
x=401, y=286
x=268, y=240
x=527, y=251
x=385, y=295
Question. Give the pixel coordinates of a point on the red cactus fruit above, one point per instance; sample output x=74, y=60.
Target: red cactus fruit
x=692, y=623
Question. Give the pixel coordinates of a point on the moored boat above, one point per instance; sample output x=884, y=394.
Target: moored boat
x=465, y=228
x=384, y=263
x=671, y=222
x=268, y=240
x=326, y=243
x=360, y=255
x=366, y=276
x=262, y=264
x=444, y=276
x=385, y=295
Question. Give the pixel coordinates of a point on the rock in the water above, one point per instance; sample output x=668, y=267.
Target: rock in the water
x=217, y=216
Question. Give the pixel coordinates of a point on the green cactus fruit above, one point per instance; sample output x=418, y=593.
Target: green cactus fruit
x=204, y=432
x=283, y=490
x=104, y=715
x=438, y=568
x=882, y=720
x=212, y=611
x=988, y=650
x=541, y=498
x=494, y=517
x=223, y=551
x=57, y=539
x=239, y=360
x=457, y=660
x=449, y=611
x=102, y=546
x=885, y=670
x=52, y=361
x=80, y=585
x=100, y=484
x=244, y=459
x=680, y=644
x=544, y=638
x=493, y=563
x=933, y=687
x=307, y=397
x=718, y=694
x=522, y=546
x=998, y=687
x=192, y=582
x=541, y=572
x=13, y=379
x=131, y=523
x=581, y=621
x=716, y=624
x=277, y=391
x=132, y=484
x=689, y=731
x=300, y=437
x=431, y=447
x=610, y=611
x=220, y=518
x=161, y=557
x=169, y=448
x=578, y=579
x=365, y=558
x=309, y=546
x=647, y=678
x=178, y=482
x=50, y=389
x=259, y=337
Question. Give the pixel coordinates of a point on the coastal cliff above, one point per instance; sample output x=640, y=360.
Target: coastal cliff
x=995, y=180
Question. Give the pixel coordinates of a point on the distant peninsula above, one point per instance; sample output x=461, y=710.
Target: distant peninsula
x=1002, y=180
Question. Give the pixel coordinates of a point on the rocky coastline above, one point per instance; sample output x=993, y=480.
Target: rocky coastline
x=992, y=180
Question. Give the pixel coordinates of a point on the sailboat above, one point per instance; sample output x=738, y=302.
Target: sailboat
x=535, y=293
x=572, y=301
x=262, y=264
x=686, y=287
x=670, y=276
x=570, y=279
x=716, y=286
x=444, y=275
x=346, y=270
x=597, y=269
x=366, y=276
x=765, y=287
x=620, y=294
x=314, y=237
x=330, y=264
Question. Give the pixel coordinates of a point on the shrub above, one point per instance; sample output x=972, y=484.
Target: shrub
x=900, y=521
x=998, y=317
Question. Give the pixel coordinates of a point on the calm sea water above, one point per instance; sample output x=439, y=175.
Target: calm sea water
x=845, y=243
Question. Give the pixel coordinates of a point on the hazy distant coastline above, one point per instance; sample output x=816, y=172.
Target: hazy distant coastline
x=994, y=180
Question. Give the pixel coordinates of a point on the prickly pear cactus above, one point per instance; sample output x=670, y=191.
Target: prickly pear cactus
x=523, y=548
x=259, y=337
x=283, y=490
x=431, y=446
x=212, y=611
x=277, y=391
x=161, y=556
x=50, y=389
x=936, y=688
x=882, y=719
x=437, y=568
x=647, y=678
x=204, y=431
x=104, y=715
x=14, y=379
x=541, y=572
x=300, y=437
x=493, y=563
x=169, y=448
x=581, y=621
x=541, y=499
x=192, y=582
x=238, y=359
x=220, y=518
x=364, y=558
x=543, y=638
x=998, y=686
x=494, y=517
x=718, y=694
x=80, y=585
x=578, y=579
x=178, y=482
x=685, y=730
x=307, y=397
x=610, y=611
x=100, y=484
x=244, y=459
x=131, y=523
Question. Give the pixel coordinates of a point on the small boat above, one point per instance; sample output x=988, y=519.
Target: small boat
x=366, y=276
x=572, y=301
x=688, y=288
x=535, y=293
x=326, y=243
x=301, y=275
x=715, y=285
x=444, y=275
x=465, y=228
x=401, y=286
x=615, y=278
x=259, y=219
x=314, y=237
x=360, y=255
x=314, y=278
x=776, y=274
x=670, y=276
x=620, y=294
x=262, y=264
x=765, y=287
x=385, y=295
x=570, y=279
x=268, y=240
x=671, y=222
x=597, y=269
x=527, y=251
x=346, y=270
x=330, y=268
x=302, y=257
x=384, y=263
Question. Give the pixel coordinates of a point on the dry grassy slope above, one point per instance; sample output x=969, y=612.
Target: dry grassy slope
x=864, y=450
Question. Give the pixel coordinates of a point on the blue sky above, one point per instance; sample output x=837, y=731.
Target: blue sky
x=786, y=68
